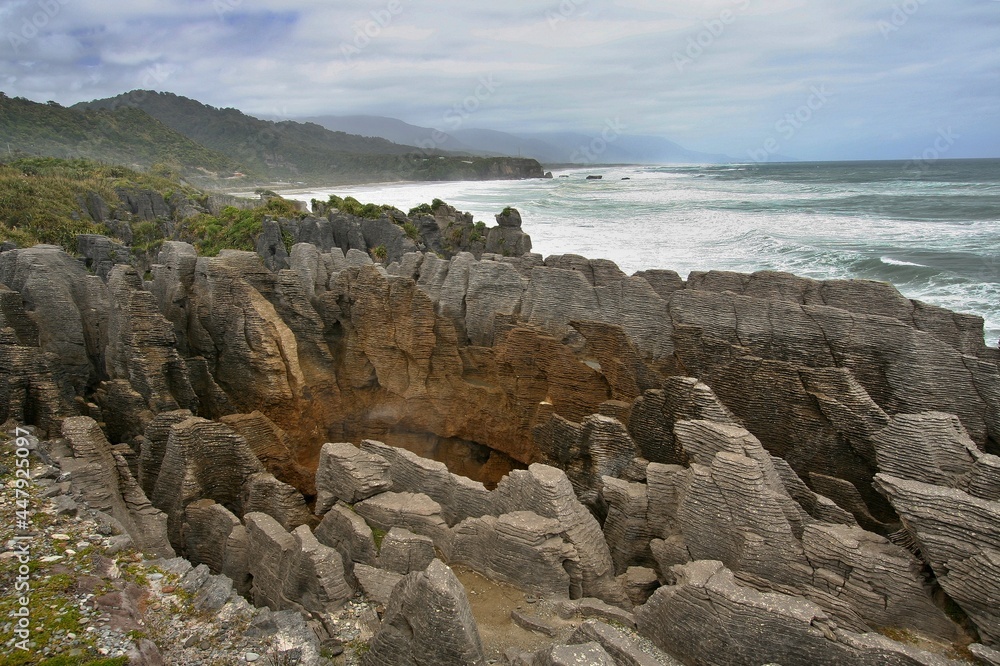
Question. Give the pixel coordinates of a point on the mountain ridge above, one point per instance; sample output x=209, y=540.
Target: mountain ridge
x=609, y=146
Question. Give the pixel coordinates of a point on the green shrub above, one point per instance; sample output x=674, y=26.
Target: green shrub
x=411, y=231
x=352, y=206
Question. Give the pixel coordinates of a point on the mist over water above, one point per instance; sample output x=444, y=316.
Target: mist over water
x=932, y=230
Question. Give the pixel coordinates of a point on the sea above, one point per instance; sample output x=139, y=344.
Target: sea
x=931, y=228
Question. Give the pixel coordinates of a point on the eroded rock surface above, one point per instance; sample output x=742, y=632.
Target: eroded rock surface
x=428, y=621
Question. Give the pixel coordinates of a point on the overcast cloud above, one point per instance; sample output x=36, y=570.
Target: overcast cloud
x=865, y=79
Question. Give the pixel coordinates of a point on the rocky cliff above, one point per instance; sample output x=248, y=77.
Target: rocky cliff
x=816, y=458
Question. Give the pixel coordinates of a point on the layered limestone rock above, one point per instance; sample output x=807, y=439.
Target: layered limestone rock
x=402, y=551
x=154, y=446
x=349, y=474
x=293, y=570
x=946, y=492
x=757, y=400
x=69, y=307
x=345, y=530
x=413, y=511
x=458, y=496
x=142, y=346
x=103, y=480
x=520, y=547
x=274, y=448
x=627, y=528
x=655, y=412
x=548, y=493
x=215, y=537
x=734, y=344
x=769, y=541
x=207, y=460
x=707, y=617
x=29, y=390
x=959, y=535
x=963, y=332
x=623, y=648
x=427, y=621
x=599, y=446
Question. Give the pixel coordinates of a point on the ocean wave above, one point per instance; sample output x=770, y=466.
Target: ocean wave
x=898, y=262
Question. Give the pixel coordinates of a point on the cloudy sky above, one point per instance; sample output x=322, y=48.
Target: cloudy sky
x=815, y=79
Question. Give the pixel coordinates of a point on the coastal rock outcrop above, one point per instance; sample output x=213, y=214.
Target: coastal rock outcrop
x=427, y=621
x=102, y=478
x=708, y=617
x=830, y=446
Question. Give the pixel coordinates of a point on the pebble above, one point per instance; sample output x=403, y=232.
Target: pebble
x=60, y=537
x=51, y=558
x=155, y=576
x=251, y=657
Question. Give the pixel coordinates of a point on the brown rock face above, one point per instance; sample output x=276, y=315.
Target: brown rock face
x=486, y=351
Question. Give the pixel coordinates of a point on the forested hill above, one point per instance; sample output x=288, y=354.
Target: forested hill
x=297, y=151
x=127, y=136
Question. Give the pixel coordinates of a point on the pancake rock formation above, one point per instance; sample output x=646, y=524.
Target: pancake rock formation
x=731, y=469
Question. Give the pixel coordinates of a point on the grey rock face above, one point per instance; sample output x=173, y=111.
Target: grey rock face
x=142, y=346
x=377, y=584
x=343, y=529
x=403, y=551
x=959, y=535
x=416, y=512
x=930, y=447
x=627, y=528
x=293, y=570
x=458, y=496
x=349, y=474
x=154, y=446
x=767, y=538
x=68, y=306
x=104, y=481
x=623, y=648
x=654, y=414
x=428, y=621
x=639, y=584
x=521, y=547
x=707, y=617
x=572, y=655
x=494, y=289
x=272, y=446
x=203, y=460
x=547, y=492
x=215, y=537
x=101, y=253
x=264, y=493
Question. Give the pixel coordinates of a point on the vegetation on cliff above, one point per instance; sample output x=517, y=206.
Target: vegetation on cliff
x=289, y=150
x=44, y=200
x=54, y=201
x=126, y=136
x=48, y=200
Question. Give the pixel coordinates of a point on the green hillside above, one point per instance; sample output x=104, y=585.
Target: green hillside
x=306, y=152
x=225, y=148
x=126, y=136
x=48, y=200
